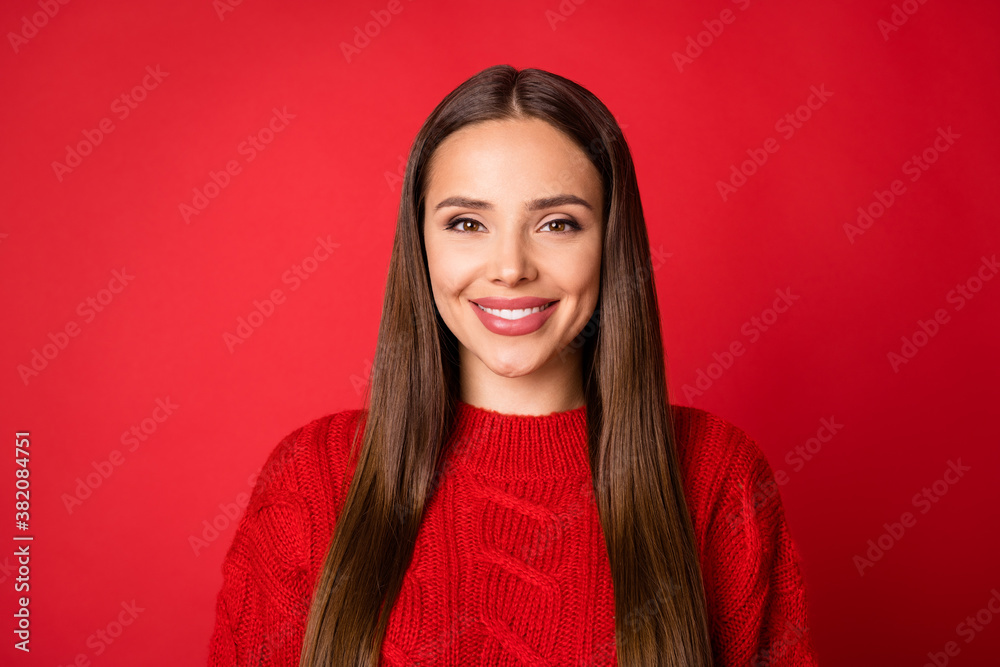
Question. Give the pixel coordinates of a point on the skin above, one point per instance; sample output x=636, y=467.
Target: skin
x=509, y=251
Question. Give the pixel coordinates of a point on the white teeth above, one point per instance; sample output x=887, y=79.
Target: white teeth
x=515, y=314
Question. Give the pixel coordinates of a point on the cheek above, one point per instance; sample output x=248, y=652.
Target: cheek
x=581, y=274
x=437, y=266
x=447, y=274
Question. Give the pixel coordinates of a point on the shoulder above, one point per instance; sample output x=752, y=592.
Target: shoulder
x=311, y=459
x=297, y=495
x=754, y=585
x=303, y=482
x=270, y=567
x=709, y=446
x=723, y=467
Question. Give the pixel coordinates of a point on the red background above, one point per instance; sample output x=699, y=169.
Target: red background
x=325, y=175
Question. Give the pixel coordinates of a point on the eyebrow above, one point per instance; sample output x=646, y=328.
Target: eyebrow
x=533, y=205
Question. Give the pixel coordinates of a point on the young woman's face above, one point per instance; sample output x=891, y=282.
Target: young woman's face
x=513, y=212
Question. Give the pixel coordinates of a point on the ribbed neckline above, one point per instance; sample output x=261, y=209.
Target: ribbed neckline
x=511, y=446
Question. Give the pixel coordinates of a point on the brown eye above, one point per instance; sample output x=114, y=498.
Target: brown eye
x=461, y=223
x=562, y=225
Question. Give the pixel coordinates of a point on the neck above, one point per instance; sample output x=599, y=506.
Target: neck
x=557, y=386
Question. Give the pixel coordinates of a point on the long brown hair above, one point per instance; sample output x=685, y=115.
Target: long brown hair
x=660, y=613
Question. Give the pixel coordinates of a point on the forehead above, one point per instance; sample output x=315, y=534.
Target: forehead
x=508, y=156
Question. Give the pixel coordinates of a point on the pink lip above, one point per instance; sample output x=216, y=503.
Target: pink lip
x=525, y=325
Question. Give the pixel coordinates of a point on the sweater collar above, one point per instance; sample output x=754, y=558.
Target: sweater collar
x=512, y=446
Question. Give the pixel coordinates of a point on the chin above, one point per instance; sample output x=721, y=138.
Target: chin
x=511, y=368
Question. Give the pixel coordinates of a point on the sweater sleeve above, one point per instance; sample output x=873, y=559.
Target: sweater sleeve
x=756, y=590
x=263, y=604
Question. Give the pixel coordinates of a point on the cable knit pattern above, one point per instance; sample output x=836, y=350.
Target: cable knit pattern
x=510, y=566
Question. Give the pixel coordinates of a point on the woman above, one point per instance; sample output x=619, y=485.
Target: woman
x=518, y=490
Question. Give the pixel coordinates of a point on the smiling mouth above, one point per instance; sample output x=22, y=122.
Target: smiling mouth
x=514, y=314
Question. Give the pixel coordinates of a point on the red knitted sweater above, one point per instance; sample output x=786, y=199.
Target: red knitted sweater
x=510, y=565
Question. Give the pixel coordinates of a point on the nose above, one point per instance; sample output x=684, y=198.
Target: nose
x=510, y=260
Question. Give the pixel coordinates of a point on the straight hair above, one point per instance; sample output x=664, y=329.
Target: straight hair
x=660, y=609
